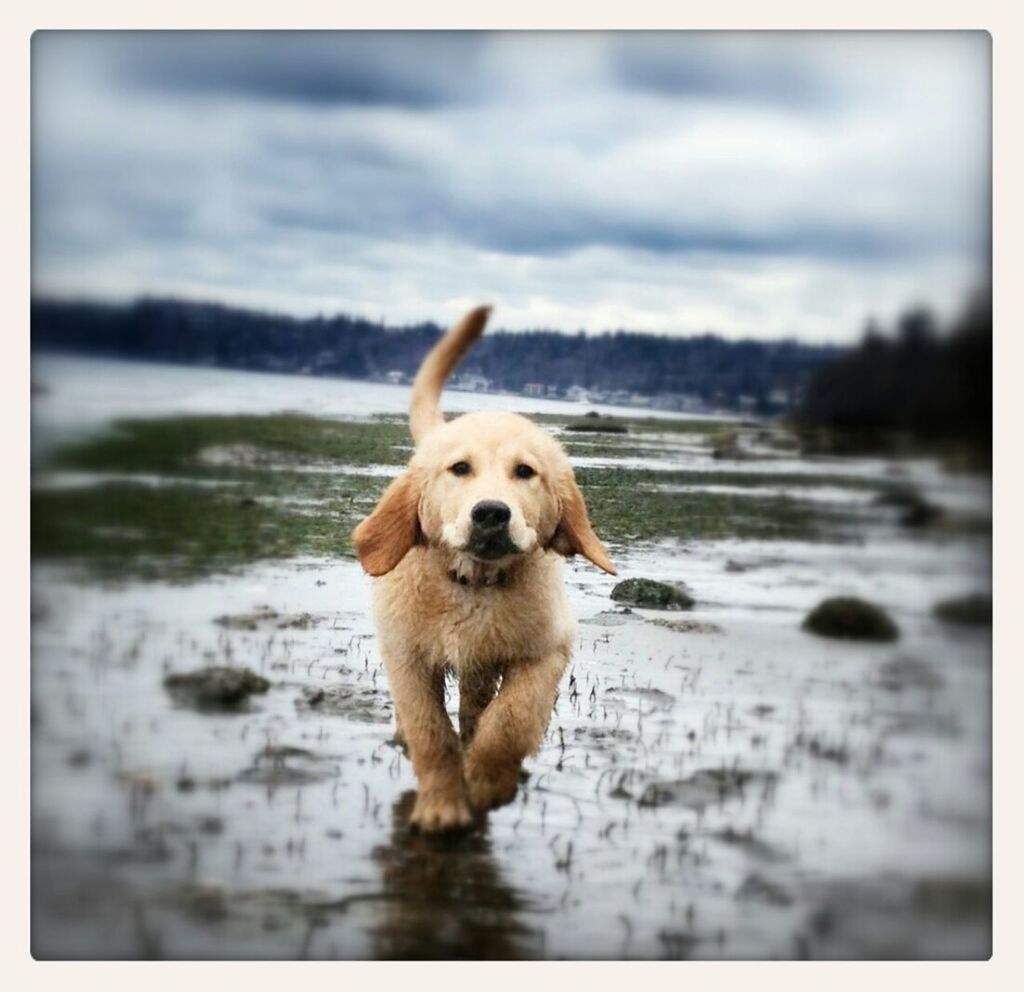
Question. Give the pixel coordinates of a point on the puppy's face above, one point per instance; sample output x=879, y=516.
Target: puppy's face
x=490, y=486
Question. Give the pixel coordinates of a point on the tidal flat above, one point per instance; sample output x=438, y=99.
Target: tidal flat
x=714, y=783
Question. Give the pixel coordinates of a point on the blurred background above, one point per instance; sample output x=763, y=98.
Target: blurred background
x=744, y=277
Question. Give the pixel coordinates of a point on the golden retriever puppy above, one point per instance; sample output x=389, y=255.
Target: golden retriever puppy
x=467, y=547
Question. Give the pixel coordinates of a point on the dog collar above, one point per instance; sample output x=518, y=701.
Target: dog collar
x=498, y=578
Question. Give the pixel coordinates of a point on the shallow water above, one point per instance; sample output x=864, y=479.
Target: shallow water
x=77, y=396
x=698, y=794
x=715, y=783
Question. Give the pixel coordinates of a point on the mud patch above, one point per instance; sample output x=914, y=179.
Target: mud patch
x=822, y=749
x=266, y=617
x=215, y=688
x=705, y=788
x=751, y=845
x=281, y=765
x=364, y=705
x=610, y=618
x=758, y=888
x=903, y=673
x=656, y=698
x=603, y=739
x=687, y=626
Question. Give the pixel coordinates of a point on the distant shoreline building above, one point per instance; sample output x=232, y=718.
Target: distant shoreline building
x=471, y=382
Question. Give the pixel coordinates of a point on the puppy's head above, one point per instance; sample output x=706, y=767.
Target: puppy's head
x=489, y=486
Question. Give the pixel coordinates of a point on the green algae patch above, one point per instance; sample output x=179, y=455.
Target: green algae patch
x=126, y=530
x=652, y=595
x=177, y=445
x=177, y=498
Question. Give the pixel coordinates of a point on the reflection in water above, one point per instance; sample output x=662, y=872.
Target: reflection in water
x=447, y=898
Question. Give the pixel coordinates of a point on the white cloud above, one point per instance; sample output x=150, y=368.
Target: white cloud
x=774, y=185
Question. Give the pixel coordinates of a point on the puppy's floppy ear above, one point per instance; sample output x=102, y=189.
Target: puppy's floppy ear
x=574, y=535
x=384, y=537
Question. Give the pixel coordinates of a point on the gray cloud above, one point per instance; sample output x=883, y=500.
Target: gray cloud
x=748, y=184
x=405, y=69
x=723, y=67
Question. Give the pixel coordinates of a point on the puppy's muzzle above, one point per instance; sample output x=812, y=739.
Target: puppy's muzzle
x=489, y=538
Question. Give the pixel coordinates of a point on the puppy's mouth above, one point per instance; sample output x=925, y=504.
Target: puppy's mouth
x=490, y=545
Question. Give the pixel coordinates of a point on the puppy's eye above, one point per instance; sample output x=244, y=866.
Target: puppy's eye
x=524, y=472
x=460, y=468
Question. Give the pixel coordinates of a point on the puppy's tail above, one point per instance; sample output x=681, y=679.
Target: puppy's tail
x=424, y=411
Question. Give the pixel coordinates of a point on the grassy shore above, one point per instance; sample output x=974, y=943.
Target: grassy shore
x=185, y=496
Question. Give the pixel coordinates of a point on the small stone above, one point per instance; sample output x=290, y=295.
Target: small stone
x=652, y=595
x=757, y=888
x=216, y=687
x=596, y=424
x=850, y=618
x=975, y=610
x=914, y=509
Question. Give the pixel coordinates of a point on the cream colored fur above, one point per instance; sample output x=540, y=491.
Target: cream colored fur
x=493, y=623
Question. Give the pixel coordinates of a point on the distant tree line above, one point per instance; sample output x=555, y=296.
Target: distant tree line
x=754, y=375
x=932, y=383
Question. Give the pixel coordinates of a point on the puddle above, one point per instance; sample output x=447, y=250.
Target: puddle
x=680, y=764
x=713, y=784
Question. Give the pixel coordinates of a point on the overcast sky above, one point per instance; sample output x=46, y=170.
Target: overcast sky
x=756, y=185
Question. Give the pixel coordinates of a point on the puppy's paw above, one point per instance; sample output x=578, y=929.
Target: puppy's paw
x=489, y=787
x=436, y=813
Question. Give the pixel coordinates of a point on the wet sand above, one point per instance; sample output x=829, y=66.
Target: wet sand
x=715, y=783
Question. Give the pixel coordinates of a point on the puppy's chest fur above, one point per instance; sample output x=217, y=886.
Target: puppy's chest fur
x=422, y=611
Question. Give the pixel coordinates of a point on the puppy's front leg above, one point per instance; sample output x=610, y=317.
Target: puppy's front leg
x=418, y=691
x=511, y=728
x=476, y=691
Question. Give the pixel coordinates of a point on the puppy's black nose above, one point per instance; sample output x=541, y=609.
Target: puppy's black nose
x=491, y=513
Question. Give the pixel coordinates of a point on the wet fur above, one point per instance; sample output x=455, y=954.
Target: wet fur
x=504, y=628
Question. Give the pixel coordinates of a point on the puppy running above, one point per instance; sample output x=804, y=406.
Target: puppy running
x=467, y=545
